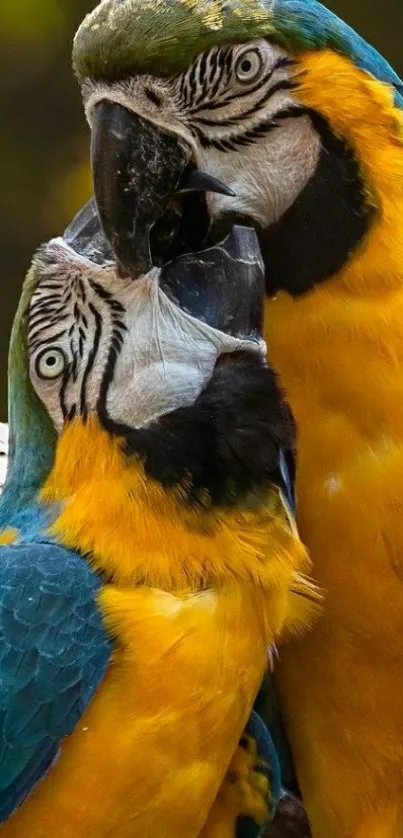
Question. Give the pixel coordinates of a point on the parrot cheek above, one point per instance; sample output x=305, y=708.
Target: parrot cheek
x=156, y=380
x=266, y=177
x=51, y=399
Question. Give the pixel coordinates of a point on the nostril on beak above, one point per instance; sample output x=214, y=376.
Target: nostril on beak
x=154, y=97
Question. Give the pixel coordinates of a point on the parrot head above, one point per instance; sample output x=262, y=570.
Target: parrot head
x=132, y=357
x=133, y=351
x=205, y=113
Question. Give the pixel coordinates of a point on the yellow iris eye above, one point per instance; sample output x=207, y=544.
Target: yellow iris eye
x=50, y=363
x=249, y=66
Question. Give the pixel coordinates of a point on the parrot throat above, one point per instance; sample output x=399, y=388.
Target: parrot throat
x=345, y=228
x=120, y=519
x=122, y=496
x=210, y=449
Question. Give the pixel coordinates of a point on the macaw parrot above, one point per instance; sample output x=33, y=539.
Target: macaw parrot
x=286, y=120
x=149, y=557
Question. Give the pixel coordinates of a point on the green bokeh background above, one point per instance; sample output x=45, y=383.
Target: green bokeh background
x=44, y=140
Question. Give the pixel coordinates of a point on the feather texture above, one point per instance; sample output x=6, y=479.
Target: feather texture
x=342, y=372
x=163, y=37
x=53, y=655
x=194, y=588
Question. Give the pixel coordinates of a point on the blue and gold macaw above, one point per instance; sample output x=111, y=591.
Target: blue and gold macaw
x=149, y=559
x=286, y=119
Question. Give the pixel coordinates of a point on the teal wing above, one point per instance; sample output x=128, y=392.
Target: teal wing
x=54, y=652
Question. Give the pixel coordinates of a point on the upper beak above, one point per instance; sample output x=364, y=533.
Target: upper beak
x=138, y=168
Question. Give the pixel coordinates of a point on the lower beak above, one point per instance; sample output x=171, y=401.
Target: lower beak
x=138, y=169
x=223, y=286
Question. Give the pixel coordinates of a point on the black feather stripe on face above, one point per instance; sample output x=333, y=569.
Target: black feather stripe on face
x=59, y=303
x=206, y=88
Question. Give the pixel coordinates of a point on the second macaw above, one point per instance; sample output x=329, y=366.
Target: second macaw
x=148, y=557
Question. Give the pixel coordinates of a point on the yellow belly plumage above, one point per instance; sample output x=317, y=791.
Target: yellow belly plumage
x=193, y=598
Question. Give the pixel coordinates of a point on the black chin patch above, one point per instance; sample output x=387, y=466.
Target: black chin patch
x=224, y=446
x=316, y=236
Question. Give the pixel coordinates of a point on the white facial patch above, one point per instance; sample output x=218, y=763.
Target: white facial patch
x=167, y=356
x=267, y=177
x=95, y=339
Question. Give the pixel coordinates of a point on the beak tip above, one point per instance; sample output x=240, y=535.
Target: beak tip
x=195, y=180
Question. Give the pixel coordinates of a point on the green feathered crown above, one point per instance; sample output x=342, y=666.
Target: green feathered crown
x=162, y=37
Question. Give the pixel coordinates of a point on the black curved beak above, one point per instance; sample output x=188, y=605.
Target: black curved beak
x=138, y=170
x=223, y=286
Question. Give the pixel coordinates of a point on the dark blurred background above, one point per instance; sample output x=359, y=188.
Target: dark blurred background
x=44, y=141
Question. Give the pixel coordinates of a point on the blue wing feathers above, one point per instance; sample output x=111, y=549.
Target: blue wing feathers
x=54, y=651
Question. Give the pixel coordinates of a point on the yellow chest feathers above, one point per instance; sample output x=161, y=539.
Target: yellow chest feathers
x=339, y=352
x=137, y=532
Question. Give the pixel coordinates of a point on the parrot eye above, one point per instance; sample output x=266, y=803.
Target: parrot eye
x=249, y=66
x=50, y=363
